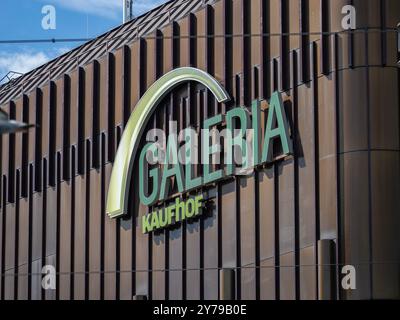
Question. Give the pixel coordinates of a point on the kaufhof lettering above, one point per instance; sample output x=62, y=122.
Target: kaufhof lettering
x=177, y=212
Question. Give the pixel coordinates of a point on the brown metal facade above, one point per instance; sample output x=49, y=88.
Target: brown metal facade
x=341, y=92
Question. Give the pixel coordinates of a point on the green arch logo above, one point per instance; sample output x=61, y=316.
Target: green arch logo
x=117, y=198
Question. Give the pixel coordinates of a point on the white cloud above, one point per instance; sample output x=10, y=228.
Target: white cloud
x=25, y=60
x=21, y=62
x=105, y=8
x=61, y=51
x=141, y=6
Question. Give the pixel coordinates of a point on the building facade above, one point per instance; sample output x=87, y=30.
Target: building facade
x=286, y=231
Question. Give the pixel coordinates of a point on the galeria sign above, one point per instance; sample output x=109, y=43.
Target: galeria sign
x=242, y=130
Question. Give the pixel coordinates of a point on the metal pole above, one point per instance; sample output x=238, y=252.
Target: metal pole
x=127, y=10
x=227, y=284
x=398, y=43
x=123, y=11
x=326, y=270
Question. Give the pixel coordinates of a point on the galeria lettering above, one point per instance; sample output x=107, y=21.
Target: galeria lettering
x=159, y=166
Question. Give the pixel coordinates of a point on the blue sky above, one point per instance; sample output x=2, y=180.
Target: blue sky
x=22, y=19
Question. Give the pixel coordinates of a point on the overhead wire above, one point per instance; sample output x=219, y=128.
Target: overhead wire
x=200, y=36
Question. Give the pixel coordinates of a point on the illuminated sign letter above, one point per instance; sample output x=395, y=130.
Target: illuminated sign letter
x=236, y=138
x=209, y=150
x=172, y=168
x=276, y=116
x=143, y=181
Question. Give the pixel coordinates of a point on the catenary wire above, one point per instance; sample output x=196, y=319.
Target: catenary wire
x=199, y=36
x=244, y=267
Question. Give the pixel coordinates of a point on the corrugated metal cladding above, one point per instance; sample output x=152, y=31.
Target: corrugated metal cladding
x=343, y=183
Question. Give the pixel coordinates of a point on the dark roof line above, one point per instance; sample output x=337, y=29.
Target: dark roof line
x=110, y=41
